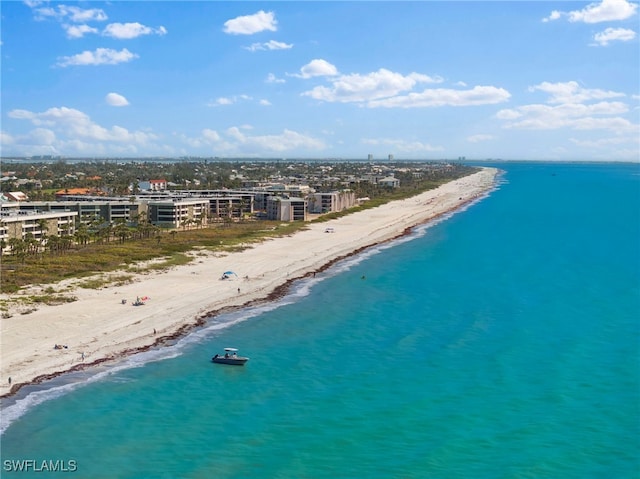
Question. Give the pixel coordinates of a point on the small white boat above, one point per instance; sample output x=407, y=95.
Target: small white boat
x=230, y=356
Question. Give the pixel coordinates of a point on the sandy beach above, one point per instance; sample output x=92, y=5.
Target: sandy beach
x=98, y=327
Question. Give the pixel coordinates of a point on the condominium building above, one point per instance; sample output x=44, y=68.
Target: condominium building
x=286, y=209
x=178, y=213
x=19, y=224
x=110, y=211
x=333, y=201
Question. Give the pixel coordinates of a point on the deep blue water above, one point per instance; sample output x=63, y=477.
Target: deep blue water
x=502, y=342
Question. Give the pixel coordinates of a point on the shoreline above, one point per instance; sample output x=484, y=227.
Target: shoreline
x=99, y=328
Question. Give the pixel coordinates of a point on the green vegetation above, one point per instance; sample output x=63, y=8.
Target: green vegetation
x=166, y=250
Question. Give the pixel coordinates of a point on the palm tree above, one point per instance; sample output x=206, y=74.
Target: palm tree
x=16, y=245
x=18, y=248
x=121, y=230
x=53, y=244
x=244, y=205
x=186, y=222
x=31, y=243
x=44, y=230
x=82, y=234
x=105, y=232
x=66, y=242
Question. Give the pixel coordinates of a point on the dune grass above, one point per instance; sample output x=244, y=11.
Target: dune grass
x=164, y=251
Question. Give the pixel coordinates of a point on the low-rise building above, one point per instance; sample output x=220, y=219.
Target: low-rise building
x=389, y=181
x=178, y=213
x=286, y=209
x=67, y=192
x=153, y=185
x=329, y=202
x=19, y=224
x=109, y=211
x=16, y=196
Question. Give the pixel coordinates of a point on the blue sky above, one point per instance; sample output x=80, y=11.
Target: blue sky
x=540, y=80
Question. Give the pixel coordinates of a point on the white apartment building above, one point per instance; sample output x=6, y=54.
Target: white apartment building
x=178, y=213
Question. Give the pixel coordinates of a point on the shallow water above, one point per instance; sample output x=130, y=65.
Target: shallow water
x=501, y=342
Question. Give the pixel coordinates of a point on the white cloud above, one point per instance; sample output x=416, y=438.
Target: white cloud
x=6, y=138
x=74, y=123
x=264, y=102
x=114, y=99
x=229, y=100
x=316, y=68
x=288, y=140
x=572, y=92
x=606, y=148
x=222, y=101
x=237, y=140
x=79, y=15
x=78, y=31
x=210, y=135
x=39, y=141
x=555, y=15
x=478, y=95
x=271, y=78
x=66, y=12
x=480, y=137
x=250, y=24
x=613, y=34
x=101, y=56
x=604, y=142
x=42, y=136
x=270, y=45
x=372, y=86
x=570, y=106
x=604, y=11
x=125, y=31
x=388, y=89
x=402, y=146
x=67, y=130
x=235, y=133
x=537, y=116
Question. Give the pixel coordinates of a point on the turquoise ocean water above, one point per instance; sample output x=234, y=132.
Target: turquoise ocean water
x=500, y=342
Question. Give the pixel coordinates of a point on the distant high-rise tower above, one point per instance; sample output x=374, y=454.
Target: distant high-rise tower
x=390, y=157
x=370, y=157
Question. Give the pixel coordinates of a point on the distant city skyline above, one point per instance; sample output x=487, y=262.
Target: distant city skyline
x=519, y=80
